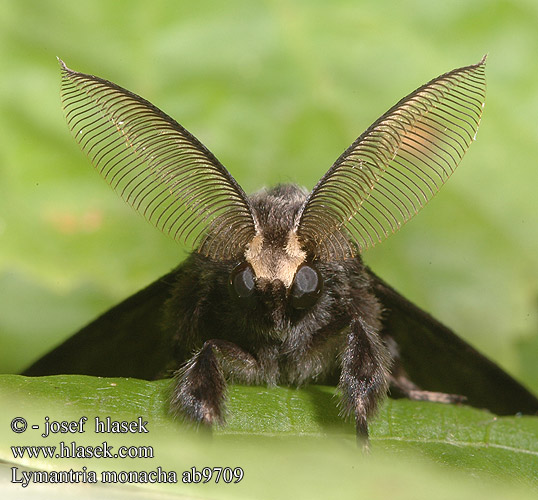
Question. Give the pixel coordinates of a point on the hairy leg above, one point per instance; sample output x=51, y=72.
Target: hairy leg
x=364, y=376
x=401, y=385
x=200, y=385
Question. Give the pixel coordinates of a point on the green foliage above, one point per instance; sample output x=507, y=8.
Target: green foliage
x=290, y=442
x=277, y=90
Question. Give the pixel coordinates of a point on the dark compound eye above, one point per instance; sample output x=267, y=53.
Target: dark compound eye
x=306, y=288
x=242, y=280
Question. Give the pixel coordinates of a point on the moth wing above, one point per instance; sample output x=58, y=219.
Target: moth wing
x=128, y=341
x=125, y=341
x=436, y=359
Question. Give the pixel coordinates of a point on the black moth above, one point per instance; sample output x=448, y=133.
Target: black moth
x=275, y=291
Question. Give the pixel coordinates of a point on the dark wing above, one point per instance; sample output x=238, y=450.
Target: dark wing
x=436, y=359
x=126, y=341
x=391, y=171
x=157, y=166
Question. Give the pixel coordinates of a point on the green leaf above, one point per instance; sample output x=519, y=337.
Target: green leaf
x=277, y=90
x=288, y=441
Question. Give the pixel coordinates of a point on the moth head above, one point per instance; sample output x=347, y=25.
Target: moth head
x=302, y=292
x=266, y=264
x=384, y=178
x=275, y=264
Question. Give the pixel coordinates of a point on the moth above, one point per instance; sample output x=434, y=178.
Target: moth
x=275, y=291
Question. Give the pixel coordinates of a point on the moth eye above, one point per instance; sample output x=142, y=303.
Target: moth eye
x=242, y=280
x=306, y=287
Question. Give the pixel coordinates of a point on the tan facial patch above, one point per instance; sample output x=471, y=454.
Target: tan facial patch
x=273, y=262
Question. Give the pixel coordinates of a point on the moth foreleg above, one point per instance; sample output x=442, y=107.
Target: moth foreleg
x=364, y=375
x=200, y=385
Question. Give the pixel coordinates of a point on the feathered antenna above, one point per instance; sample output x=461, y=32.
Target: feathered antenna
x=391, y=171
x=157, y=166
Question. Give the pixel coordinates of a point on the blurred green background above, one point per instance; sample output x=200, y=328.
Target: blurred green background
x=277, y=90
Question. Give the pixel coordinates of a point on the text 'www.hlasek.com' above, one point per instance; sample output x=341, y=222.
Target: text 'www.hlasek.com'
x=102, y=426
